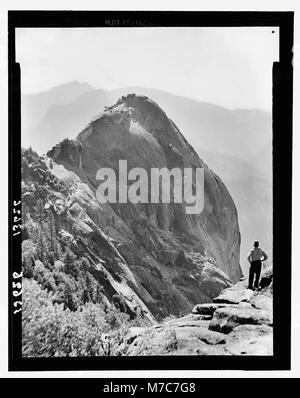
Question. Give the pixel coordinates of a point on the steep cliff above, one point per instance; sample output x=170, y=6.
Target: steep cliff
x=169, y=259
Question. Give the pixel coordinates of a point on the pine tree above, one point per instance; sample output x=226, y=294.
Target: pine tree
x=41, y=219
x=69, y=298
x=70, y=263
x=99, y=293
x=85, y=296
x=52, y=232
x=89, y=286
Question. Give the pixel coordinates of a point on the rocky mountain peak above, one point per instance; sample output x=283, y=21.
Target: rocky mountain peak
x=135, y=114
x=177, y=259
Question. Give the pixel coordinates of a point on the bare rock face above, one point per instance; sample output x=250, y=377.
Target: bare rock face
x=226, y=319
x=251, y=340
x=171, y=260
x=236, y=294
x=190, y=335
x=184, y=336
x=208, y=309
x=242, y=328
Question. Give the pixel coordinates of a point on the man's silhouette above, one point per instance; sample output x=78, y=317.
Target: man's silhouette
x=255, y=257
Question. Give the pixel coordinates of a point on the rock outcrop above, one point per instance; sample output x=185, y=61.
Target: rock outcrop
x=220, y=328
x=173, y=259
x=156, y=258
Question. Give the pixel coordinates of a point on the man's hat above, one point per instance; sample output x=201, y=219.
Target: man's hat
x=256, y=243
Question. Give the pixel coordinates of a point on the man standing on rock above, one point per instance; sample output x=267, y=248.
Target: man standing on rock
x=255, y=257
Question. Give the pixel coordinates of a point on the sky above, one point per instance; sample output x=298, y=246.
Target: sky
x=231, y=67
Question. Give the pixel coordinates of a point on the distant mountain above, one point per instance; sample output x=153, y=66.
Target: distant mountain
x=245, y=134
x=237, y=144
x=34, y=106
x=242, y=133
x=65, y=120
x=252, y=193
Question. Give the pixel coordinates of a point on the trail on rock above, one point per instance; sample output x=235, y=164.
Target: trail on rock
x=238, y=322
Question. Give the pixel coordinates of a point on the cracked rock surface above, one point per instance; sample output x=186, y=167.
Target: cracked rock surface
x=238, y=322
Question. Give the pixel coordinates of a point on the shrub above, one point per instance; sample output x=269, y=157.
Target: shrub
x=28, y=256
x=43, y=276
x=49, y=330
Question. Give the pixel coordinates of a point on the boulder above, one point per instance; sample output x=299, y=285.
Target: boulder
x=75, y=210
x=262, y=301
x=183, y=338
x=208, y=309
x=188, y=320
x=266, y=276
x=226, y=319
x=133, y=333
x=250, y=340
x=244, y=304
x=234, y=295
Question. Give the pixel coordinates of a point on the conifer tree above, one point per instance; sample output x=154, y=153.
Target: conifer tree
x=52, y=232
x=89, y=286
x=99, y=293
x=70, y=263
x=41, y=219
x=69, y=298
x=85, y=296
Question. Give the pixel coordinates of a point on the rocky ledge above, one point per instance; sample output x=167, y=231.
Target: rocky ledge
x=238, y=322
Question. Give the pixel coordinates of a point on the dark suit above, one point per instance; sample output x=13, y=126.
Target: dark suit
x=255, y=257
x=255, y=270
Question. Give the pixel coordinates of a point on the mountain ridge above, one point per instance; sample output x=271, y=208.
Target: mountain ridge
x=223, y=156
x=112, y=137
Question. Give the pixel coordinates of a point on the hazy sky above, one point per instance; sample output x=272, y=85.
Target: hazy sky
x=226, y=66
